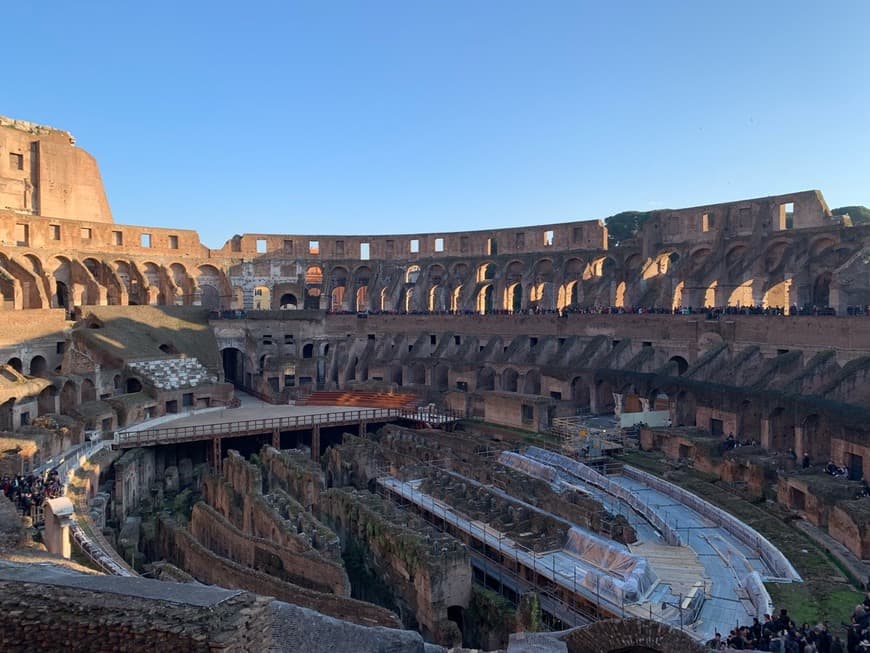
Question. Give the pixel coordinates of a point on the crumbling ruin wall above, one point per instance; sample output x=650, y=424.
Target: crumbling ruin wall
x=303, y=568
x=238, y=522
x=180, y=548
x=428, y=571
x=294, y=473
x=36, y=618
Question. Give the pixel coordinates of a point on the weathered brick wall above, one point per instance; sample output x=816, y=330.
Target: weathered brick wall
x=295, y=474
x=847, y=524
x=39, y=618
x=631, y=634
x=181, y=549
x=303, y=568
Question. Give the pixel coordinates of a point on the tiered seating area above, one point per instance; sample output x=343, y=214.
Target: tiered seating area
x=362, y=400
x=173, y=373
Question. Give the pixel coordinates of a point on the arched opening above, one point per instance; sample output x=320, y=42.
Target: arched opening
x=514, y=298
x=288, y=302
x=619, y=298
x=409, y=300
x=604, y=401
x=532, y=383
x=817, y=443
x=484, y=300
x=568, y=295
x=362, y=298
x=485, y=272
x=710, y=295
x=677, y=303
x=439, y=378
x=6, y=415
x=133, y=385
x=46, y=402
x=209, y=297
x=169, y=348
x=61, y=298
x=454, y=299
x=418, y=374
x=308, y=351
x=412, y=274
x=485, y=379
x=681, y=363
x=433, y=304
x=89, y=391
x=337, y=303
x=68, y=398
x=781, y=428
x=685, y=409
x=455, y=614
x=749, y=421
x=15, y=364
x=396, y=375
x=822, y=290
x=509, y=380
x=38, y=366
x=313, y=286
x=742, y=295
x=234, y=365
x=777, y=296
x=580, y=392
x=262, y=298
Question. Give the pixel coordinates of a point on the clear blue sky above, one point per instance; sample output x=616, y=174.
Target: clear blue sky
x=388, y=117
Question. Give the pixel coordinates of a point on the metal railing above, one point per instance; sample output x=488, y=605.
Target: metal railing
x=296, y=422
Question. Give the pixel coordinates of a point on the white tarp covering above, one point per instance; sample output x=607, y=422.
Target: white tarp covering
x=592, y=477
x=615, y=572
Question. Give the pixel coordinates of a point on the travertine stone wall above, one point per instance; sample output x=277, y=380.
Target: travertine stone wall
x=43, y=173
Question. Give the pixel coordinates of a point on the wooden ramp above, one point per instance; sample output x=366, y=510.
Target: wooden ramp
x=677, y=566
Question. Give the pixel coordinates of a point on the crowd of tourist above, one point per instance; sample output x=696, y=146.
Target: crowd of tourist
x=709, y=312
x=781, y=635
x=31, y=490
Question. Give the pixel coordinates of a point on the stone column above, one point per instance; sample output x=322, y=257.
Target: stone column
x=315, y=443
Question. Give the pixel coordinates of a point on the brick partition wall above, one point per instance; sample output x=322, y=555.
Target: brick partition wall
x=180, y=548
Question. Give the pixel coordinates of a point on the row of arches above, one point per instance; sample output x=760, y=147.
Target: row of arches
x=27, y=281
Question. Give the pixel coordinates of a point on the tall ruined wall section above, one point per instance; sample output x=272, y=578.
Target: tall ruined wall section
x=178, y=546
x=238, y=522
x=43, y=173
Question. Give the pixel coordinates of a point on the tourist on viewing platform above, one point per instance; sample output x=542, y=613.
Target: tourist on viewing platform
x=806, y=461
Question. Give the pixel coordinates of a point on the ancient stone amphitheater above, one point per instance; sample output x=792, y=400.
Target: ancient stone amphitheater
x=423, y=440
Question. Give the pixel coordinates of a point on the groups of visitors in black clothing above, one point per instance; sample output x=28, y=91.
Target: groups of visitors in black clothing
x=32, y=489
x=782, y=635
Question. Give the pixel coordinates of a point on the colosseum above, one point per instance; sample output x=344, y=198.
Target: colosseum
x=530, y=438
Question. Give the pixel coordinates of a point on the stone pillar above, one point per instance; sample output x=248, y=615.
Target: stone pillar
x=57, y=513
x=315, y=443
x=276, y=439
x=362, y=428
x=216, y=455
x=799, y=444
x=765, y=433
